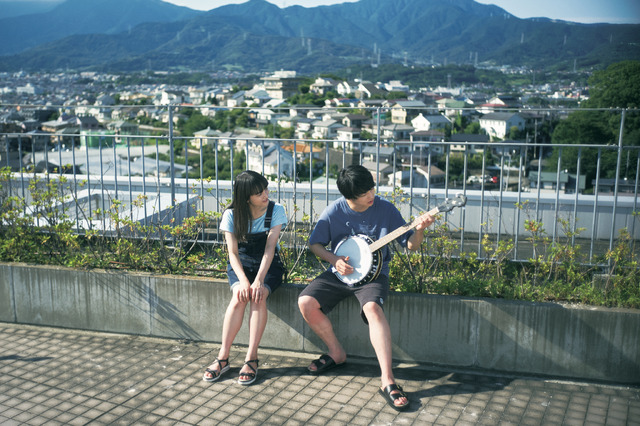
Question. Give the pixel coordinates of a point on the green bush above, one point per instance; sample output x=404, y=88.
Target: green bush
x=557, y=272
x=43, y=233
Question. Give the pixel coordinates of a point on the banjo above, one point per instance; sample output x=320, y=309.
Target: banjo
x=364, y=253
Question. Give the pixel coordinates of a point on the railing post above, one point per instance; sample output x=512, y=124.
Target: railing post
x=378, y=111
x=615, y=190
x=172, y=160
x=596, y=191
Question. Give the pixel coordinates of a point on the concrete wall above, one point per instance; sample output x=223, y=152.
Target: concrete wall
x=485, y=334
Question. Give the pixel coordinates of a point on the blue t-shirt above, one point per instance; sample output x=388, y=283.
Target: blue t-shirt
x=278, y=217
x=338, y=221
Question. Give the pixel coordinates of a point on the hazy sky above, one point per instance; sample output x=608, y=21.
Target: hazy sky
x=586, y=11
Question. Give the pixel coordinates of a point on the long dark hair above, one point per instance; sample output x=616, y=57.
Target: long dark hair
x=247, y=183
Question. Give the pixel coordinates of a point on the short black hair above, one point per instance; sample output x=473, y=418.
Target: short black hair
x=354, y=180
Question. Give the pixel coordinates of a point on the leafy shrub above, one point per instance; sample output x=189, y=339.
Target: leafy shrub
x=44, y=233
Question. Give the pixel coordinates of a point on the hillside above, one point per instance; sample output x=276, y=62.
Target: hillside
x=73, y=17
x=258, y=36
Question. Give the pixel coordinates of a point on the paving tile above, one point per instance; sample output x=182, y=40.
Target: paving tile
x=75, y=377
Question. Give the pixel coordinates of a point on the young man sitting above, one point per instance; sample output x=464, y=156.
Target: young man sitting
x=358, y=211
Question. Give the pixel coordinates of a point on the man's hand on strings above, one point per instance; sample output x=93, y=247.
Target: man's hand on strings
x=424, y=222
x=342, y=266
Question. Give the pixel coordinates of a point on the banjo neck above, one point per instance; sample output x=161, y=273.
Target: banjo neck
x=377, y=245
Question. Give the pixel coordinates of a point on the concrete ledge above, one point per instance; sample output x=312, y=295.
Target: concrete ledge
x=486, y=334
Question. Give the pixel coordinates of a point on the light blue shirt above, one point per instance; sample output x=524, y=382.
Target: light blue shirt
x=279, y=217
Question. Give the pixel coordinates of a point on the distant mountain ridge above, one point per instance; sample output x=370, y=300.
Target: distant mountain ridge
x=12, y=8
x=258, y=36
x=73, y=17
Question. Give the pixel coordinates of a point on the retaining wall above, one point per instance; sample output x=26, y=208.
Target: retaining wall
x=485, y=334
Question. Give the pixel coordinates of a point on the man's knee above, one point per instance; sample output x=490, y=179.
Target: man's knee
x=307, y=304
x=372, y=311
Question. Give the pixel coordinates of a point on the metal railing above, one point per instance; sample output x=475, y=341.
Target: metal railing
x=505, y=182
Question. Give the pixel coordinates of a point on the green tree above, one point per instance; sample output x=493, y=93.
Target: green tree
x=585, y=128
x=473, y=128
x=460, y=123
x=366, y=135
x=195, y=123
x=396, y=95
x=616, y=87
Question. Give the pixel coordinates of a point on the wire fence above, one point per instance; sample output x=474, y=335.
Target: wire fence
x=583, y=194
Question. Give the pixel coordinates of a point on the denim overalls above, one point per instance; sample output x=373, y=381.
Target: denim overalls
x=252, y=250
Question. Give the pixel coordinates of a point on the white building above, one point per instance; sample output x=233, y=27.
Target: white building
x=499, y=124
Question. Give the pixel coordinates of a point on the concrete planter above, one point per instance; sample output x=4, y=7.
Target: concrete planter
x=485, y=334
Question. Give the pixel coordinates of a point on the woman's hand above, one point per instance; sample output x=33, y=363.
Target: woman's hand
x=259, y=292
x=244, y=293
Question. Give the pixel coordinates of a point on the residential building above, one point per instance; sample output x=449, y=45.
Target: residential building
x=367, y=90
x=304, y=127
x=257, y=96
x=452, y=107
x=327, y=129
x=467, y=141
x=419, y=177
x=608, y=186
x=404, y=110
x=29, y=89
x=505, y=101
x=498, y=124
x=371, y=103
x=322, y=86
x=423, y=142
x=379, y=171
x=301, y=110
x=354, y=120
x=287, y=121
x=277, y=161
x=205, y=137
x=385, y=154
x=282, y=84
x=346, y=88
x=396, y=131
x=430, y=122
x=302, y=151
x=173, y=97
x=549, y=181
x=122, y=129
x=235, y=99
x=266, y=116
x=396, y=86
x=348, y=133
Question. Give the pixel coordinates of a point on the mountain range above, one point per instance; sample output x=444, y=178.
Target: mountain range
x=257, y=36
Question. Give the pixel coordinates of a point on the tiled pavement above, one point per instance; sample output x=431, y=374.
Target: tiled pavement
x=58, y=376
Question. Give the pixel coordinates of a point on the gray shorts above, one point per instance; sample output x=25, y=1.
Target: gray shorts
x=328, y=290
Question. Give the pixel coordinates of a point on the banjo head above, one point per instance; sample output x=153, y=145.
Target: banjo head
x=360, y=258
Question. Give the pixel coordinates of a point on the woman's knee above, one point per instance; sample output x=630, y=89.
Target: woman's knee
x=260, y=304
x=236, y=303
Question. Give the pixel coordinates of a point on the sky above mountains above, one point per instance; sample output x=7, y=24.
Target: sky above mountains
x=584, y=11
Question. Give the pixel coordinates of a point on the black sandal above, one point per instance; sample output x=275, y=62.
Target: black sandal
x=391, y=397
x=252, y=376
x=215, y=375
x=323, y=364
